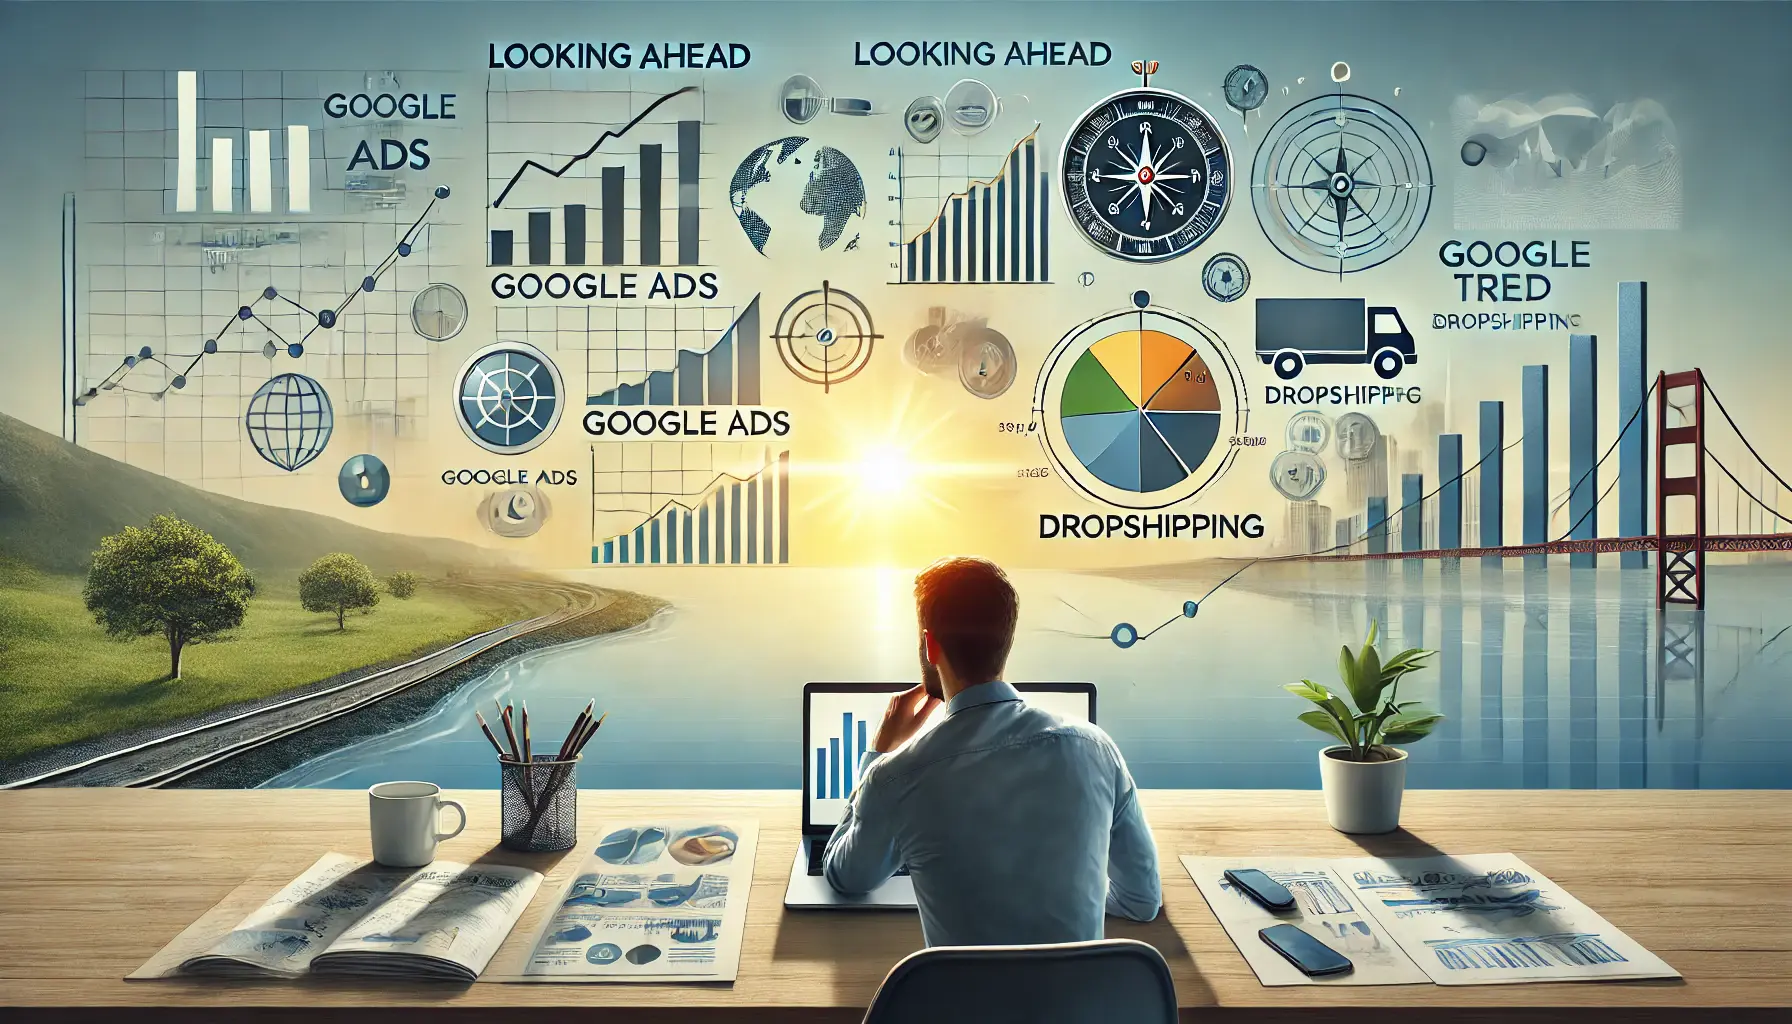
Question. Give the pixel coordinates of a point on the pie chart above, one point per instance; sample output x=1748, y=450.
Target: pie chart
x=1136, y=405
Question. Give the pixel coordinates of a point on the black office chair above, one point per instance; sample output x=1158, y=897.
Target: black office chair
x=1107, y=981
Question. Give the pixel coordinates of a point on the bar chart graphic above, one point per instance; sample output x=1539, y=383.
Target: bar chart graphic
x=213, y=191
x=970, y=218
x=723, y=372
x=689, y=503
x=658, y=354
x=592, y=176
x=837, y=764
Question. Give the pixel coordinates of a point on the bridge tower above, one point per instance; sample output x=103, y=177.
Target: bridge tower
x=1680, y=558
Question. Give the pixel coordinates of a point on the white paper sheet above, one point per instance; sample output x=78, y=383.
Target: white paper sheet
x=1324, y=909
x=1491, y=918
x=652, y=902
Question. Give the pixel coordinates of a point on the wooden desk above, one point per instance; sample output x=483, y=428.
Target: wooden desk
x=93, y=881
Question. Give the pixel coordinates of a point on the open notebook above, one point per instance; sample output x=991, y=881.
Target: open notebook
x=349, y=916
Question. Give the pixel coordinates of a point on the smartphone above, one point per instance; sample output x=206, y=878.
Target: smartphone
x=1314, y=958
x=1268, y=892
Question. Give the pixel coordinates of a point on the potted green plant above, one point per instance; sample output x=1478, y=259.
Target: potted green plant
x=1364, y=776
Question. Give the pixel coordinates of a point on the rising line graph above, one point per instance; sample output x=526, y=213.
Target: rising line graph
x=322, y=319
x=591, y=151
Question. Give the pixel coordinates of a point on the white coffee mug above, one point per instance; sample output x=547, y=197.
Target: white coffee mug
x=404, y=816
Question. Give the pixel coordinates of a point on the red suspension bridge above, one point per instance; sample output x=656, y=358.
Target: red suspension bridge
x=1679, y=552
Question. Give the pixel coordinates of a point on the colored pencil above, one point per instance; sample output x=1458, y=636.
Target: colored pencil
x=527, y=758
x=516, y=751
x=590, y=731
x=572, y=733
x=583, y=728
x=499, y=747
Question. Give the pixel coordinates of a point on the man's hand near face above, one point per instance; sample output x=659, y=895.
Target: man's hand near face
x=906, y=713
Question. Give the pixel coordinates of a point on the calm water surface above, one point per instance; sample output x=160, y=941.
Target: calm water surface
x=1550, y=677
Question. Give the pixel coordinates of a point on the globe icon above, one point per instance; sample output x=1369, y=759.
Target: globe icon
x=289, y=420
x=509, y=398
x=782, y=181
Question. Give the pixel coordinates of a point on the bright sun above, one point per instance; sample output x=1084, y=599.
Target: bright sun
x=884, y=471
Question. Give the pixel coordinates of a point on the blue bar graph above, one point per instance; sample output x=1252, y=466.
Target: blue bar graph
x=783, y=504
x=1378, y=524
x=1536, y=457
x=994, y=230
x=1412, y=512
x=703, y=535
x=726, y=374
x=752, y=522
x=734, y=526
x=1583, y=442
x=1449, y=495
x=1633, y=444
x=1493, y=474
x=837, y=764
x=834, y=767
x=751, y=514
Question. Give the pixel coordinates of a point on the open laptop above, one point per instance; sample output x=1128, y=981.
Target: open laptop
x=839, y=722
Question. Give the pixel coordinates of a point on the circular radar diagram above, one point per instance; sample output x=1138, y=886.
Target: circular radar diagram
x=509, y=397
x=1341, y=183
x=825, y=336
x=1146, y=175
x=1136, y=406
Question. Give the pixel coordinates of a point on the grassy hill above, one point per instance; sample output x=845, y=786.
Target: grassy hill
x=62, y=680
x=58, y=499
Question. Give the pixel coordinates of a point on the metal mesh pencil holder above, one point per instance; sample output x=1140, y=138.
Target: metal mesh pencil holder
x=540, y=804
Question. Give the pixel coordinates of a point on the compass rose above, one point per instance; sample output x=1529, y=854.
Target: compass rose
x=1146, y=173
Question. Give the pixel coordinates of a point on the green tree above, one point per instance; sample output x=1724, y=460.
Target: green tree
x=401, y=584
x=169, y=578
x=338, y=583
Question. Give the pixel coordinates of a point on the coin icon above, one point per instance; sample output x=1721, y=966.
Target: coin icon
x=971, y=106
x=1297, y=475
x=1225, y=277
x=985, y=362
x=1309, y=431
x=800, y=99
x=924, y=118
x=1246, y=88
x=932, y=348
x=1357, y=436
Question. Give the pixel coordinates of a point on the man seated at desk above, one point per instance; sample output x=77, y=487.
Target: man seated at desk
x=1016, y=827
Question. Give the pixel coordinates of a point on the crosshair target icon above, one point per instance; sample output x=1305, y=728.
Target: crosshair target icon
x=825, y=336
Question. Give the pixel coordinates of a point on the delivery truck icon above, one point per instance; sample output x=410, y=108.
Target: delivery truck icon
x=1292, y=333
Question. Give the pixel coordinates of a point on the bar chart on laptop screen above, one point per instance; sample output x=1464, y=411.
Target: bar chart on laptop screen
x=841, y=728
x=843, y=725
x=579, y=175
x=837, y=764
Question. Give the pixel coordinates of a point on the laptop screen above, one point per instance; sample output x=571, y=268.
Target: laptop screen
x=842, y=724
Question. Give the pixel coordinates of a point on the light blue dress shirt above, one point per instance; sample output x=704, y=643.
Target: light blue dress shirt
x=1016, y=826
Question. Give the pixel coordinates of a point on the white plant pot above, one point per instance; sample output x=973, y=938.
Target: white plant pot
x=1362, y=797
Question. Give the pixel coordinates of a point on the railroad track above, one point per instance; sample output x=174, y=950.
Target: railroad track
x=166, y=760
